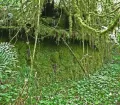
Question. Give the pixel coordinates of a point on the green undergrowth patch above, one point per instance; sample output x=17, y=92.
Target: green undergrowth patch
x=102, y=87
x=55, y=63
x=50, y=85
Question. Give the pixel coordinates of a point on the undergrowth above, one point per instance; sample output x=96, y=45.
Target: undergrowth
x=100, y=88
x=18, y=87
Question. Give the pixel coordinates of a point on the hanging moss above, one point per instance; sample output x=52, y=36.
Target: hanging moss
x=70, y=23
x=46, y=31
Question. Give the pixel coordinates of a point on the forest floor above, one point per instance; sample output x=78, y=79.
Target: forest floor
x=100, y=88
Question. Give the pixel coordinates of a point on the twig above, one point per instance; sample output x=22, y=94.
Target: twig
x=74, y=56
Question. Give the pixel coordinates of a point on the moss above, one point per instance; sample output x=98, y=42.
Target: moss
x=54, y=58
x=56, y=63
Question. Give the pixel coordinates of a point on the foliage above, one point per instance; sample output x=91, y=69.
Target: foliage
x=53, y=63
x=8, y=56
x=8, y=60
x=18, y=87
x=100, y=87
x=14, y=80
x=50, y=55
x=8, y=90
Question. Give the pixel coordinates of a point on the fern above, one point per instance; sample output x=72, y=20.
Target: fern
x=8, y=56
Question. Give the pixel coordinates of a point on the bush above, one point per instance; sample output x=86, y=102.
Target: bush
x=8, y=56
x=8, y=60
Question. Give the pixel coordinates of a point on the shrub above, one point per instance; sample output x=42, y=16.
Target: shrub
x=8, y=60
x=8, y=56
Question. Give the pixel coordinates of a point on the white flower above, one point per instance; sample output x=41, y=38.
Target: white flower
x=110, y=94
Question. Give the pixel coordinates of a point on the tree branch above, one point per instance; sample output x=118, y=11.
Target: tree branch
x=83, y=24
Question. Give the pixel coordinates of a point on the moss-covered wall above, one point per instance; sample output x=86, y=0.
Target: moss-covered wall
x=55, y=63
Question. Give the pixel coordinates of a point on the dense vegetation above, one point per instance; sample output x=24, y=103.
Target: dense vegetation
x=102, y=87
x=62, y=52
